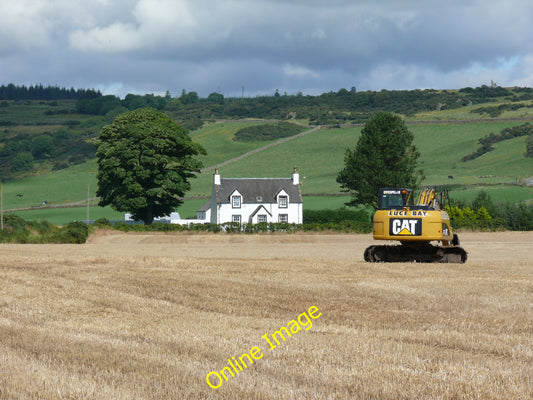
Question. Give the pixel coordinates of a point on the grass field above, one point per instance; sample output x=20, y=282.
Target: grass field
x=319, y=156
x=64, y=186
x=498, y=193
x=218, y=141
x=148, y=316
x=443, y=146
x=34, y=114
x=62, y=216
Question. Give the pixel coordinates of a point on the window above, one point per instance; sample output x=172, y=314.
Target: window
x=262, y=218
x=201, y=215
x=282, y=201
x=259, y=199
x=236, y=218
x=283, y=218
x=236, y=201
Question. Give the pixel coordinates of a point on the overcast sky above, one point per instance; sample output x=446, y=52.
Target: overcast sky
x=308, y=46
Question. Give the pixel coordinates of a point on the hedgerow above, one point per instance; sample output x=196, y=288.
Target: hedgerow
x=480, y=214
x=17, y=230
x=262, y=227
x=483, y=213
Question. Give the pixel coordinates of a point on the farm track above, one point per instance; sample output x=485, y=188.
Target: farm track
x=268, y=146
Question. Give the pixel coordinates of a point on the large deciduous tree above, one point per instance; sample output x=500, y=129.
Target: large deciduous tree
x=145, y=161
x=383, y=157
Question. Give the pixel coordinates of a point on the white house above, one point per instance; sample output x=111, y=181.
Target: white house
x=253, y=200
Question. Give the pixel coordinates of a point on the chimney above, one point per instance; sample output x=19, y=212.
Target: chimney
x=295, y=177
x=216, y=177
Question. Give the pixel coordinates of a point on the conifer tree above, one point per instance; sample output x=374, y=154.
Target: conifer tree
x=384, y=156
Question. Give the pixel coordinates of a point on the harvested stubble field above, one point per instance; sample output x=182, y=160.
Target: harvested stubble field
x=148, y=316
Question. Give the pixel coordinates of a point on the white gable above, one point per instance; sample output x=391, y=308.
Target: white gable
x=253, y=200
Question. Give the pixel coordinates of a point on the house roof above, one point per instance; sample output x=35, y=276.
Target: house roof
x=206, y=206
x=252, y=188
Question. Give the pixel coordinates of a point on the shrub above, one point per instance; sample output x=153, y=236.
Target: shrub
x=267, y=132
x=22, y=162
x=74, y=232
x=102, y=223
x=518, y=217
x=59, y=166
x=529, y=146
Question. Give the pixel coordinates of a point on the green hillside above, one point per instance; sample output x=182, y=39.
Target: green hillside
x=318, y=156
x=444, y=134
x=443, y=146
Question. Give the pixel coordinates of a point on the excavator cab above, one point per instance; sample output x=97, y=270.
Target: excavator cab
x=394, y=199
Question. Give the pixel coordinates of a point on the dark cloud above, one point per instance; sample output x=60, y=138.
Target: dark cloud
x=308, y=46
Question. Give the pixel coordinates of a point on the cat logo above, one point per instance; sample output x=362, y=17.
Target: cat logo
x=405, y=227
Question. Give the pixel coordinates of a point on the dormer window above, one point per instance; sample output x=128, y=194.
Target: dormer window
x=259, y=199
x=236, y=201
x=283, y=201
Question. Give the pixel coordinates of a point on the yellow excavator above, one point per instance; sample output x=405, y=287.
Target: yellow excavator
x=415, y=226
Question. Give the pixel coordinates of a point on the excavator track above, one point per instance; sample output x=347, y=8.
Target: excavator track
x=423, y=253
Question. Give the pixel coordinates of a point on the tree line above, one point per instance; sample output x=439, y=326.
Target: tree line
x=39, y=92
x=334, y=107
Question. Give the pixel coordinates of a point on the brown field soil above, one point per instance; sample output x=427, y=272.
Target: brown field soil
x=148, y=316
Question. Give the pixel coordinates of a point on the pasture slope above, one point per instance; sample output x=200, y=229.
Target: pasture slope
x=319, y=155
x=148, y=316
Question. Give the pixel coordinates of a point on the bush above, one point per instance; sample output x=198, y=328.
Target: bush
x=17, y=230
x=41, y=146
x=42, y=228
x=529, y=146
x=518, y=217
x=483, y=213
x=483, y=200
x=102, y=223
x=267, y=132
x=60, y=165
x=74, y=232
x=22, y=162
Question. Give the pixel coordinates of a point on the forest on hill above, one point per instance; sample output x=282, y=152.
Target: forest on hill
x=343, y=106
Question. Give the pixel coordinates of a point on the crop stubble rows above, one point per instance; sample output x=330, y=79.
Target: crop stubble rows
x=148, y=316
